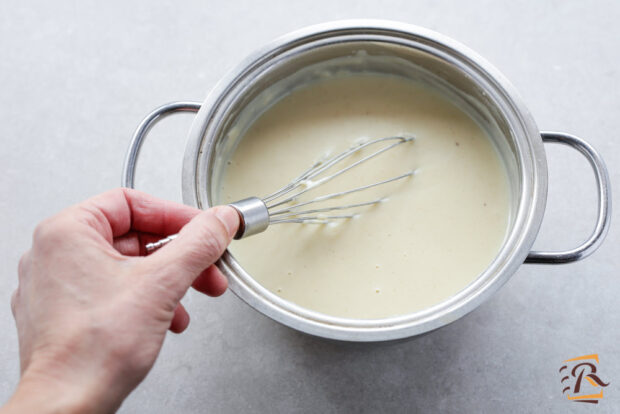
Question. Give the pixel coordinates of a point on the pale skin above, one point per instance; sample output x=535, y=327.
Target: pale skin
x=92, y=311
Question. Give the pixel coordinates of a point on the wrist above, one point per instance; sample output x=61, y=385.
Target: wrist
x=47, y=396
x=43, y=392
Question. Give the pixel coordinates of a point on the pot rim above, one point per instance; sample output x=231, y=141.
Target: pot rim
x=533, y=170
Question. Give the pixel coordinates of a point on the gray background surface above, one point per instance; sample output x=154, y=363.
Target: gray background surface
x=76, y=78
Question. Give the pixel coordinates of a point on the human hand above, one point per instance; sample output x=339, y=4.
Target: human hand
x=91, y=313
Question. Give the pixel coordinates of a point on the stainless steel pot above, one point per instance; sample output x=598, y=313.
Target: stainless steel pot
x=395, y=49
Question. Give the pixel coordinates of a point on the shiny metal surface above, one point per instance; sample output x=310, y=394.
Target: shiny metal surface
x=151, y=247
x=473, y=81
x=603, y=187
x=254, y=216
x=286, y=205
x=400, y=50
x=133, y=152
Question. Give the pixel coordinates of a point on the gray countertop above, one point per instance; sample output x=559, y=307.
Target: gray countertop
x=77, y=77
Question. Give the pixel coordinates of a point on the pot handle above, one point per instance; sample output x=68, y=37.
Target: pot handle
x=129, y=167
x=603, y=188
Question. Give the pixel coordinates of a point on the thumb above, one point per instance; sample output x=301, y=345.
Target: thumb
x=199, y=244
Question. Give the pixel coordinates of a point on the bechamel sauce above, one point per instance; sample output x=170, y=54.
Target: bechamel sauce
x=434, y=235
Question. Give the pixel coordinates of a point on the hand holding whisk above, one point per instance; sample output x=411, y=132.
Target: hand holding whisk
x=283, y=205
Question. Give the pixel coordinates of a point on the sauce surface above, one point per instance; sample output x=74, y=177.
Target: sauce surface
x=435, y=233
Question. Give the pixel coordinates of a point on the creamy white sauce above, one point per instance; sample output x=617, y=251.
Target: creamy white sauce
x=434, y=234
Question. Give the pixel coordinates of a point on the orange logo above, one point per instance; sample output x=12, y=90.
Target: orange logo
x=581, y=381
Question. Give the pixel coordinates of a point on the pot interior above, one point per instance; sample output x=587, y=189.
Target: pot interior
x=276, y=74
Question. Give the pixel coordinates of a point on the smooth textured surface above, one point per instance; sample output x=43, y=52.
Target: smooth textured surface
x=77, y=77
x=433, y=235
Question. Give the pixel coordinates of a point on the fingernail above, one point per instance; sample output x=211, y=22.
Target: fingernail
x=229, y=217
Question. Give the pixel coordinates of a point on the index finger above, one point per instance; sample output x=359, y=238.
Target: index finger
x=120, y=210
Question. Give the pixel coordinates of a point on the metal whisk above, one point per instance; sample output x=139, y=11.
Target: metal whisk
x=282, y=206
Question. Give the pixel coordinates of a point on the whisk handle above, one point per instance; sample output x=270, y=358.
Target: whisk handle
x=253, y=218
x=253, y=215
x=151, y=247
